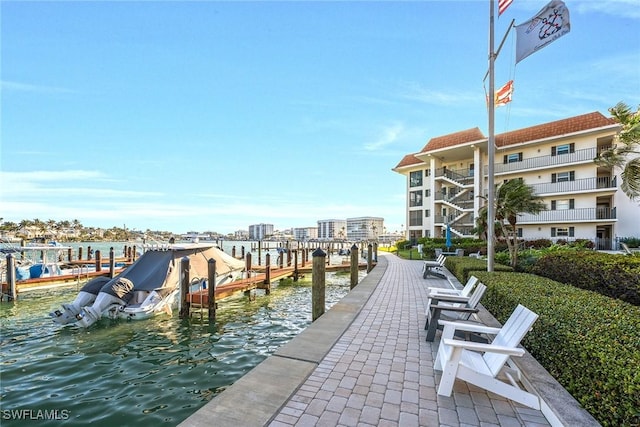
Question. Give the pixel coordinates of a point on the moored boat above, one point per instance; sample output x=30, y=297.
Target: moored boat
x=149, y=286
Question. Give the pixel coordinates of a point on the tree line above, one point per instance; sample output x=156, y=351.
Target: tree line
x=73, y=231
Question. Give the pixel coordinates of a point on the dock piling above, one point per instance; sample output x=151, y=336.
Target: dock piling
x=267, y=273
x=212, y=290
x=247, y=264
x=98, y=260
x=318, y=284
x=369, y=258
x=112, y=263
x=185, y=306
x=354, y=266
x=12, y=292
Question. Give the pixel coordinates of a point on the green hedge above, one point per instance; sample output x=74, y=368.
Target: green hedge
x=616, y=276
x=588, y=342
x=464, y=267
x=430, y=244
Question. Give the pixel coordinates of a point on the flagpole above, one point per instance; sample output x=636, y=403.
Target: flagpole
x=491, y=149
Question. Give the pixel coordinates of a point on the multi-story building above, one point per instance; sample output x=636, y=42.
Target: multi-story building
x=241, y=235
x=332, y=229
x=305, y=233
x=364, y=228
x=583, y=200
x=260, y=231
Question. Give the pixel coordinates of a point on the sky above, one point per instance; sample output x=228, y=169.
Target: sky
x=212, y=116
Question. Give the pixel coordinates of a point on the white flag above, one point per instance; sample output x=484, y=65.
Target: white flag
x=551, y=23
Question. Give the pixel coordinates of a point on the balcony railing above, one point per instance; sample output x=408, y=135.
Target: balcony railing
x=464, y=177
x=584, y=155
x=562, y=215
x=584, y=184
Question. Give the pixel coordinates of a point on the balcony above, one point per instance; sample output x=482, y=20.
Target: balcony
x=579, y=156
x=461, y=177
x=570, y=215
x=585, y=184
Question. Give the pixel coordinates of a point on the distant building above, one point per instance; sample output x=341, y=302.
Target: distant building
x=305, y=233
x=260, y=231
x=241, y=235
x=364, y=228
x=332, y=229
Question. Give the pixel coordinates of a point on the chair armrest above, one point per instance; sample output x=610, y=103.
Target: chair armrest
x=449, y=298
x=489, y=348
x=453, y=308
x=469, y=327
x=432, y=264
x=436, y=291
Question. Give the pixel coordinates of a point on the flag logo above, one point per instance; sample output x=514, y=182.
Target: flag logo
x=551, y=23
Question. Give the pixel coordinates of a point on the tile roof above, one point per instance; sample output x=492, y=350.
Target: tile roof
x=571, y=125
x=453, y=139
x=408, y=160
x=560, y=127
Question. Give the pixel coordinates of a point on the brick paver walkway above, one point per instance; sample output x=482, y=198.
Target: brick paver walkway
x=380, y=373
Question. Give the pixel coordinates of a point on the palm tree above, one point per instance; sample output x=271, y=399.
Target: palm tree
x=625, y=154
x=512, y=198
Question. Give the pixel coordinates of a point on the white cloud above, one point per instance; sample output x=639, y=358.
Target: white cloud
x=416, y=92
x=621, y=8
x=389, y=135
x=7, y=85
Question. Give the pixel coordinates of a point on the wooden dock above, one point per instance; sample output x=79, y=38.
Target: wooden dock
x=200, y=299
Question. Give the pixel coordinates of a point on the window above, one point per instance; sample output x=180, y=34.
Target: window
x=512, y=158
x=563, y=149
x=519, y=231
x=562, y=231
x=427, y=192
x=471, y=169
x=415, y=218
x=415, y=198
x=415, y=179
x=563, y=176
x=427, y=172
x=427, y=213
x=562, y=204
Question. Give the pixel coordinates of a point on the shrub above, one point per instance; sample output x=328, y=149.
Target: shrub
x=611, y=275
x=588, y=342
x=464, y=267
x=538, y=243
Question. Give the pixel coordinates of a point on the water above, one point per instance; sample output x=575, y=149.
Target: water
x=156, y=371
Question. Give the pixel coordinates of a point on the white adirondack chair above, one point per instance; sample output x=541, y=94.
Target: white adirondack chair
x=451, y=307
x=464, y=292
x=429, y=268
x=486, y=365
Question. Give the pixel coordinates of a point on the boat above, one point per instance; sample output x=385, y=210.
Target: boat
x=150, y=286
x=48, y=265
x=34, y=261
